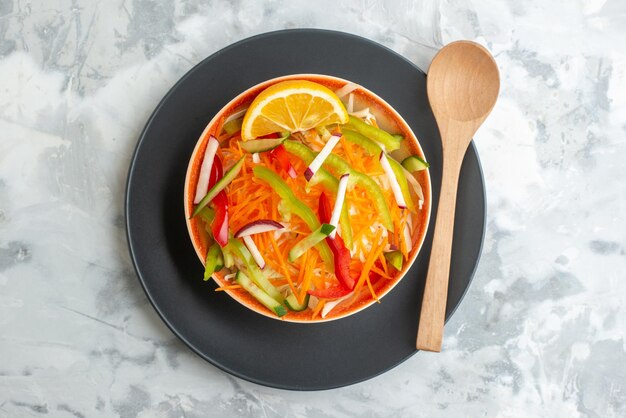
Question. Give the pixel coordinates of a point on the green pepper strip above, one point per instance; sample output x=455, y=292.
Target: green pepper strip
x=240, y=251
x=207, y=215
x=297, y=207
x=214, y=261
x=342, y=167
x=404, y=184
x=390, y=142
x=325, y=179
x=372, y=148
x=364, y=142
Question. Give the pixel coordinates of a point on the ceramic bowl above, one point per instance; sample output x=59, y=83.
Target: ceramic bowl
x=387, y=118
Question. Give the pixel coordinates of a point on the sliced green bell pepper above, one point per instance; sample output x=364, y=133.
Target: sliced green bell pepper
x=402, y=181
x=214, y=261
x=367, y=144
x=390, y=142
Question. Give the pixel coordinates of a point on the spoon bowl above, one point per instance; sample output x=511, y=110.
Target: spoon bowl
x=463, y=82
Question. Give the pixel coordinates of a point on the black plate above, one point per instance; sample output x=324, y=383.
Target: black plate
x=233, y=338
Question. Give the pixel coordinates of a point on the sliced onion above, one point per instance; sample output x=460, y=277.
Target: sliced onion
x=351, y=103
x=361, y=113
x=406, y=235
x=257, y=227
x=341, y=195
x=329, y=306
x=348, y=88
x=230, y=276
x=393, y=181
x=256, y=254
x=236, y=115
x=321, y=157
x=205, y=170
x=255, y=158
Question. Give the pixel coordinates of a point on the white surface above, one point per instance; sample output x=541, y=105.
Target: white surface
x=541, y=331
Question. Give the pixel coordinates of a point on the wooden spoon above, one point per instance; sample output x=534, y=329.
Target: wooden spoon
x=463, y=84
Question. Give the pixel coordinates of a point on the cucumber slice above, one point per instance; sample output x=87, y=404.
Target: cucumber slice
x=292, y=302
x=256, y=274
x=229, y=259
x=232, y=126
x=414, y=163
x=395, y=259
x=267, y=301
x=219, y=186
x=310, y=240
x=214, y=261
x=262, y=145
x=207, y=215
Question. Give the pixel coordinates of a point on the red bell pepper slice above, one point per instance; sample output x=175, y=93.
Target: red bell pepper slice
x=331, y=292
x=340, y=252
x=219, y=226
x=217, y=171
x=280, y=154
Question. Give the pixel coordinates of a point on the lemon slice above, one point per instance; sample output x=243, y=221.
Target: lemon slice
x=294, y=106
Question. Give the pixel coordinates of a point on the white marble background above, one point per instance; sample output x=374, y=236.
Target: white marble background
x=542, y=329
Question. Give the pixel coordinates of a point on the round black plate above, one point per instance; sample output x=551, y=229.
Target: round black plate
x=235, y=339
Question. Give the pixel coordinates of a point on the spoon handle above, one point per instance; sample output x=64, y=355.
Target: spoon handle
x=430, y=331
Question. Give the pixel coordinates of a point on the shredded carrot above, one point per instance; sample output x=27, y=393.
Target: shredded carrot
x=319, y=280
x=306, y=283
x=283, y=267
x=383, y=262
x=369, y=261
x=357, y=237
x=251, y=199
x=348, y=151
x=303, y=264
x=318, y=308
x=230, y=287
x=369, y=285
x=382, y=273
